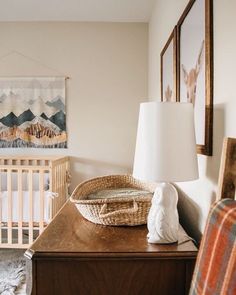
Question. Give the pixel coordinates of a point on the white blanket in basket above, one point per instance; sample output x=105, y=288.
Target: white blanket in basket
x=118, y=193
x=26, y=213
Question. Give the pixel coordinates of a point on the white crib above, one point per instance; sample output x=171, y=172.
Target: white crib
x=32, y=190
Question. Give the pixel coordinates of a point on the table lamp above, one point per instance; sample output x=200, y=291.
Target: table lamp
x=165, y=152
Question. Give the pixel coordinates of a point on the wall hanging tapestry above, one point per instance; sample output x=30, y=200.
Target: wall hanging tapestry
x=32, y=112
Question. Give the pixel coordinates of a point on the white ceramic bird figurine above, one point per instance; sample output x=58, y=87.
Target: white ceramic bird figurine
x=163, y=218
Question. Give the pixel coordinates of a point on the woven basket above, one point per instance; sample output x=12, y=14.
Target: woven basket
x=114, y=211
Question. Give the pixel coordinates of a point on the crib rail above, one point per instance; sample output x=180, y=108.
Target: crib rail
x=59, y=183
x=32, y=190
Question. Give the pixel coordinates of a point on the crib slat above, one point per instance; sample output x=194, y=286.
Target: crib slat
x=68, y=180
x=57, y=189
x=9, y=209
x=64, y=182
x=31, y=214
x=20, y=207
x=1, y=207
x=41, y=206
x=62, y=185
x=59, y=185
x=51, y=188
x=54, y=189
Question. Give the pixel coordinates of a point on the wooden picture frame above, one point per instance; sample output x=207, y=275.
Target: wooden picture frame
x=195, y=68
x=169, y=69
x=227, y=175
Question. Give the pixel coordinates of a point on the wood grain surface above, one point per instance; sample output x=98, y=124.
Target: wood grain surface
x=74, y=256
x=70, y=233
x=227, y=175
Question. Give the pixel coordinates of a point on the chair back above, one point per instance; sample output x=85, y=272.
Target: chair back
x=215, y=269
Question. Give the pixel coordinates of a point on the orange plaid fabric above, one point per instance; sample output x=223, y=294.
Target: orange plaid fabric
x=215, y=270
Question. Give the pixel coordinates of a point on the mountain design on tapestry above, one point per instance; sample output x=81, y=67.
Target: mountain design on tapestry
x=59, y=119
x=44, y=116
x=2, y=98
x=33, y=116
x=12, y=120
x=57, y=103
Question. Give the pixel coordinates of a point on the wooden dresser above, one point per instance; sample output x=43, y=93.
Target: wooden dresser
x=76, y=257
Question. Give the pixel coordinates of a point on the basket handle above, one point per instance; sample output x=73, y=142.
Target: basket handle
x=132, y=210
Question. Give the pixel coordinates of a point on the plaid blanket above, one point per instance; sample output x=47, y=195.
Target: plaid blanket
x=215, y=270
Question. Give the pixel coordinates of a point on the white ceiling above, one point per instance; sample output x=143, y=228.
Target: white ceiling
x=76, y=10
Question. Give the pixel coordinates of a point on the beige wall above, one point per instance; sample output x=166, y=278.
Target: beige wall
x=107, y=63
x=197, y=196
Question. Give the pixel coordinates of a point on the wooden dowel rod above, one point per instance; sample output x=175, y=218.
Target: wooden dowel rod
x=9, y=215
x=31, y=214
x=20, y=208
x=41, y=201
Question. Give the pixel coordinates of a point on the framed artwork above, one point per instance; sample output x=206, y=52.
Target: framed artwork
x=195, y=68
x=169, y=68
x=32, y=112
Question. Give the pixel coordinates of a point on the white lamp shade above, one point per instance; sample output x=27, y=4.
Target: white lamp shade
x=165, y=144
